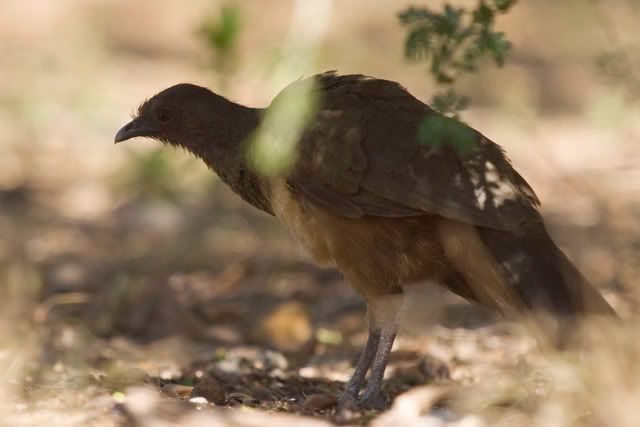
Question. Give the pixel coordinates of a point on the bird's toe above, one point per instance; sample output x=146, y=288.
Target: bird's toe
x=347, y=402
x=378, y=401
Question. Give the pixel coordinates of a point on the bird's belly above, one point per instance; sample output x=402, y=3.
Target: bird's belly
x=381, y=255
x=377, y=255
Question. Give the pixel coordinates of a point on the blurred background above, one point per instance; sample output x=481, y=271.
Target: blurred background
x=130, y=266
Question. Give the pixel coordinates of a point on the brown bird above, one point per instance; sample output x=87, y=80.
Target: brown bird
x=391, y=193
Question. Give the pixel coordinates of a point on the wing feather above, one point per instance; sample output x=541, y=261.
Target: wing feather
x=362, y=155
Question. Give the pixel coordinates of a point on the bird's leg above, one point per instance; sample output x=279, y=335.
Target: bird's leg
x=350, y=395
x=386, y=312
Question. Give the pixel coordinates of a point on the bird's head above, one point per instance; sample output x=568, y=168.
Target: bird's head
x=182, y=115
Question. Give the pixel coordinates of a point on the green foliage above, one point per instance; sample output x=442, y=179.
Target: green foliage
x=221, y=35
x=454, y=41
x=441, y=130
x=450, y=103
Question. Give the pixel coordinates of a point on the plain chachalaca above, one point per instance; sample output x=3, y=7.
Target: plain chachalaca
x=387, y=204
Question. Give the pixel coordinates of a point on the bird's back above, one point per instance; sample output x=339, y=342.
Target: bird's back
x=370, y=150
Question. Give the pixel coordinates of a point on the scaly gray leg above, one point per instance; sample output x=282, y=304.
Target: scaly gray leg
x=373, y=398
x=350, y=395
x=386, y=313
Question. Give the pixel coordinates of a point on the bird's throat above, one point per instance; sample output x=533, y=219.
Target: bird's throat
x=224, y=151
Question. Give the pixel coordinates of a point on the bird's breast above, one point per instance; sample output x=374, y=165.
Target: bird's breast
x=301, y=222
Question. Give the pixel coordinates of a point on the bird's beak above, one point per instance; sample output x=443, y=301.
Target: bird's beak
x=132, y=129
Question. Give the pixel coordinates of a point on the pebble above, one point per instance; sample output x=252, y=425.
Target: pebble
x=320, y=402
x=177, y=390
x=198, y=400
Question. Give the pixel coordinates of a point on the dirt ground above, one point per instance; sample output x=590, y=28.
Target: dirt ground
x=137, y=290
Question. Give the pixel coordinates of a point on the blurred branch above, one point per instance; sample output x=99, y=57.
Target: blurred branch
x=272, y=150
x=453, y=42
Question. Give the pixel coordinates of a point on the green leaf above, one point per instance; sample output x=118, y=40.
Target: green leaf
x=503, y=5
x=412, y=15
x=450, y=103
x=222, y=33
x=448, y=23
x=498, y=45
x=439, y=131
x=483, y=15
x=416, y=46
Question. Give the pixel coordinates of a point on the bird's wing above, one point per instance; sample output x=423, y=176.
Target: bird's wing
x=362, y=155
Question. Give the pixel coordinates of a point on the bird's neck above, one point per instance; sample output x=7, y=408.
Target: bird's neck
x=227, y=155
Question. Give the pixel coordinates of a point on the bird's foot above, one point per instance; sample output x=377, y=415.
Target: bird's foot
x=347, y=408
x=350, y=406
x=376, y=400
x=347, y=401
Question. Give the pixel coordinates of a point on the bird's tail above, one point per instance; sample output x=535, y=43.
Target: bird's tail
x=544, y=280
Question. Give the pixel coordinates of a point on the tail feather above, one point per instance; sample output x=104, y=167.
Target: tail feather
x=542, y=277
x=587, y=300
x=547, y=284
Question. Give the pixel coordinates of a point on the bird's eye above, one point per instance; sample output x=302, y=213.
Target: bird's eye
x=164, y=116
